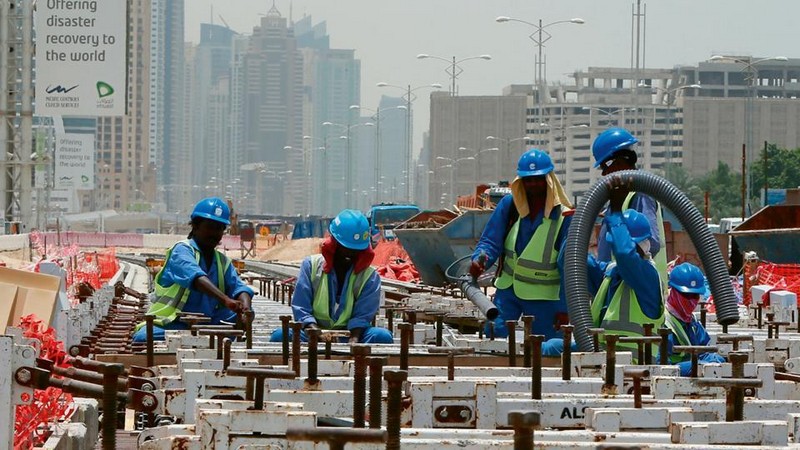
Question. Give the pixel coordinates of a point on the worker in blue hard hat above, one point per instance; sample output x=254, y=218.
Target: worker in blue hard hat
x=615, y=150
x=526, y=233
x=337, y=289
x=628, y=291
x=686, y=284
x=198, y=278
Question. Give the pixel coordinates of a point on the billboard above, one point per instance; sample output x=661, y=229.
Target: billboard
x=81, y=57
x=74, y=161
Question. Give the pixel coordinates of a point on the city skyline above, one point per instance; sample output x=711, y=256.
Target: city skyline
x=678, y=32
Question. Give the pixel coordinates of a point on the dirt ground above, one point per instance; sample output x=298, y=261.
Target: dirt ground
x=291, y=250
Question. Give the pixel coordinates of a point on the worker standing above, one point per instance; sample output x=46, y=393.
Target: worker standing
x=686, y=284
x=628, y=291
x=526, y=232
x=338, y=289
x=615, y=150
x=198, y=278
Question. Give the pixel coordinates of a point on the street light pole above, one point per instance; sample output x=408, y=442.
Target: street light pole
x=752, y=72
x=539, y=38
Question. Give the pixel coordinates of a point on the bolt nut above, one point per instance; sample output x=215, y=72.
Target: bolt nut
x=148, y=401
x=465, y=414
x=24, y=376
x=147, y=387
x=443, y=414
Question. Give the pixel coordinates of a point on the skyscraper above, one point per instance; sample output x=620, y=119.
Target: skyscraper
x=332, y=79
x=273, y=114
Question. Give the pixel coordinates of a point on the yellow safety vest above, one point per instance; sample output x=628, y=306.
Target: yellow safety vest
x=533, y=274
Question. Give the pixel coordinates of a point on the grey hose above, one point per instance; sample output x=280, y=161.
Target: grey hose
x=575, y=276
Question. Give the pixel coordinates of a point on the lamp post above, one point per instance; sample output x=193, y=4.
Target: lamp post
x=453, y=69
x=453, y=164
x=669, y=97
x=376, y=117
x=505, y=158
x=322, y=205
x=752, y=73
x=540, y=37
x=348, y=156
x=409, y=97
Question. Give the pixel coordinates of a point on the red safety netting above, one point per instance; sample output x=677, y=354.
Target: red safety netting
x=780, y=276
x=393, y=262
x=32, y=424
x=83, y=267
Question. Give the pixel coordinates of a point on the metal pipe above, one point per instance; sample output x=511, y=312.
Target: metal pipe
x=575, y=273
x=474, y=294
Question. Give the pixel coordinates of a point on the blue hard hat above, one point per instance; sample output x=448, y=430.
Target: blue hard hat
x=534, y=162
x=351, y=229
x=687, y=278
x=638, y=226
x=213, y=208
x=610, y=142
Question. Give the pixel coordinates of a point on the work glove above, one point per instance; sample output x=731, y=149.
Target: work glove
x=478, y=266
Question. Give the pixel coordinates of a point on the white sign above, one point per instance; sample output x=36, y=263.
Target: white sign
x=75, y=161
x=81, y=57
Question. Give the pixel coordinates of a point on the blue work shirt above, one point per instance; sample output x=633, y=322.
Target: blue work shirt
x=492, y=243
x=639, y=274
x=182, y=269
x=365, y=307
x=643, y=204
x=697, y=336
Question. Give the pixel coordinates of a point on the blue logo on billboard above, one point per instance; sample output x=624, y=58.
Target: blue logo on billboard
x=58, y=89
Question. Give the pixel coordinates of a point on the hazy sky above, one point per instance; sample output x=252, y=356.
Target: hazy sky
x=387, y=36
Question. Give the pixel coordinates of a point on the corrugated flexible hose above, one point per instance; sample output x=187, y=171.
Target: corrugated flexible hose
x=575, y=275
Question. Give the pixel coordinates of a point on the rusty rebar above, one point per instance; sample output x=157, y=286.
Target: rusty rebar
x=703, y=314
x=523, y=423
x=637, y=374
x=663, y=347
x=313, y=343
x=110, y=374
x=258, y=375
x=511, y=325
x=536, y=364
x=360, y=353
x=566, y=355
x=394, y=410
x=285, y=342
x=611, y=362
x=150, y=344
x=376, y=364
x=648, y=349
x=406, y=331
x=226, y=353
x=297, y=328
x=527, y=326
x=336, y=437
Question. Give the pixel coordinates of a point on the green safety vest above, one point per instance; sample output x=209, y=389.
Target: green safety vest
x=534, y=274
x=676, y=326
x=624, y=315
x=170, y=300
x=660, y=258
x=321, y=304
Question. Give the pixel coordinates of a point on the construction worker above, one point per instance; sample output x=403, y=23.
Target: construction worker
x=198, y=278
x=615, y=150
x=337, y=289
x=686, y=284
x=526, y=232
x=628, y=292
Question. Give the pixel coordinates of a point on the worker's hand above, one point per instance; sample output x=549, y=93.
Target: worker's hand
x=248, y=315
x=311, y=326
x=233, y=305
x=352, y=340
x=478, y=266
x=618, y=191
